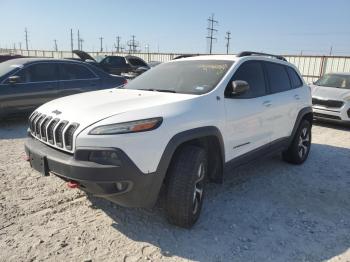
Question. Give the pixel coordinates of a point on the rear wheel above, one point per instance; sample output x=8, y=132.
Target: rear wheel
x=185, y=186
x=299, y=149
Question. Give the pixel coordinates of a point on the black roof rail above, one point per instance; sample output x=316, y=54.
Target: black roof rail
x=249, y=53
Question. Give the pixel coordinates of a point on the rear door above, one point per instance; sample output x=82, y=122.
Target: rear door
x=37, y=85
x=248, y=122
x=75, y=78
x=283, y=99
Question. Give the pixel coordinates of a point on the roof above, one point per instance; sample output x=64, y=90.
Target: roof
x=27, y=60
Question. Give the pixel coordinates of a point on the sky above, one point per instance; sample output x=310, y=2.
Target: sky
x=179, y=26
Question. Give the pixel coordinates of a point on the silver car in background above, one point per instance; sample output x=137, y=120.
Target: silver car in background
x=331, y=97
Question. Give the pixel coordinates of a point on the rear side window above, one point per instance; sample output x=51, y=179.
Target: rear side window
x=294, y=78
x=278, y=77
x=115, y=61
x=75, y=72
x=136, y=62
x=39, y=73
x=251, y=72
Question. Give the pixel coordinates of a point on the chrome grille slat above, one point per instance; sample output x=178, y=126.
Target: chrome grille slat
x=54, y=131
x=43, y=127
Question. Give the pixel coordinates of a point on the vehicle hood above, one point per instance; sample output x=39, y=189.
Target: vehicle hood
x=91, y=107
x=329, y=93
x=83, y=55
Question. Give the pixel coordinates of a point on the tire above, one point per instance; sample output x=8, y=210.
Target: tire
x=299, y=149
x=185, y=186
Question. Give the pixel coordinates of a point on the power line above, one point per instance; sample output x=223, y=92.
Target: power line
x=26, y=37
x=227, y=37
x=211, y=31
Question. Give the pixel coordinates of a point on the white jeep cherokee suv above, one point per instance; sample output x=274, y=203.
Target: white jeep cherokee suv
x=175, y=126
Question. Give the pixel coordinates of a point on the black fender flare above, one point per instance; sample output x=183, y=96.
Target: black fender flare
x=174, y=144
x=302, y=113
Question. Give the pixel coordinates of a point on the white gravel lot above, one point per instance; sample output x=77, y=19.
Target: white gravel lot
x=265, y=211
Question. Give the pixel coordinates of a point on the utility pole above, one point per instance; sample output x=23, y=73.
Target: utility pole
x=55, y=42
x=211, y=31
x=26, y=37
x=331, y=51
x=227, y=37
x=132, y=44
x=71, y=40
x=81, y=43
x=78, y=40
x=118, y=43
x=101, y=46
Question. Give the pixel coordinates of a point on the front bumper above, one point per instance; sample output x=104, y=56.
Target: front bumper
x=125, y=184
x=334, y=114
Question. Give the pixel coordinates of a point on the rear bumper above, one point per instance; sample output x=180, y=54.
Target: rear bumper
x=124, y=184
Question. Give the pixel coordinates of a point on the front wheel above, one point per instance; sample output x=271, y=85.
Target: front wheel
x=185, y=186
x=299, y=149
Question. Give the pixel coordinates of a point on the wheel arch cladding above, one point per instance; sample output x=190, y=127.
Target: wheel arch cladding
x=209, y=137
x=305, y=113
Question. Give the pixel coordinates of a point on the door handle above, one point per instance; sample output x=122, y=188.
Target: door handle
x=267, y=103
x=297, y=97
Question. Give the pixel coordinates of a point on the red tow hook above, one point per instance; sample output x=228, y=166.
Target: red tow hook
x=73, y=184
x=26, y=158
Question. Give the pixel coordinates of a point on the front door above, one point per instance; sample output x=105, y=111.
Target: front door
x=248, y=125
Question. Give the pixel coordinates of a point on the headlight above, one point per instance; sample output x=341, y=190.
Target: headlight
x=128, y=127
x=347, y=98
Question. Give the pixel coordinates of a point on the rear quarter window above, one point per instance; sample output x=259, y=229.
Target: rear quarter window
x=278, y=77
x=294, y=77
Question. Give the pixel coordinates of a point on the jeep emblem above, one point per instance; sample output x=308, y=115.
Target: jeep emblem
x=57, y=112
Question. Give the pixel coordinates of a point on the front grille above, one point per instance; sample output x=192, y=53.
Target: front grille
x=326, y=116
x=51, y=130
x=327, y=103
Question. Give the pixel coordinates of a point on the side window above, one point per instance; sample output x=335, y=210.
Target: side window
x=251, y=72
x=75, y=72
x=294, y=77
x=38, y=73
x=136, y=62
x=115, y=61
x=278, y=77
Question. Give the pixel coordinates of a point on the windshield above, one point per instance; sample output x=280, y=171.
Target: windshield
x=99, y=58
x=187, y=77
x=8, y=66
x=334, y=80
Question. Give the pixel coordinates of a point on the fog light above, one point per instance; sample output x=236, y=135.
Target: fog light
x=105, y=158
x=122, y=186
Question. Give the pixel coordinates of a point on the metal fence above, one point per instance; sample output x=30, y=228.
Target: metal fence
x=311, y=67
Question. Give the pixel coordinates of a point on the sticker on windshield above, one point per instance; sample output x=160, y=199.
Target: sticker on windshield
x=200, y=88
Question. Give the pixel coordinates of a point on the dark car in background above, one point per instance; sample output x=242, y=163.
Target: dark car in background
x=27, y=83
x=129, y=65
x=4, y=58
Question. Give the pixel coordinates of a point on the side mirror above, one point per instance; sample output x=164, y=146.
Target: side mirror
x=14, y=79
x=239, y=87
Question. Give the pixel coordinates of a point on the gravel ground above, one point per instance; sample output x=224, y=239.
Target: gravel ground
x=266, y=211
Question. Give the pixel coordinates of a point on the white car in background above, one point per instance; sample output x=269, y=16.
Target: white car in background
x=331, y=97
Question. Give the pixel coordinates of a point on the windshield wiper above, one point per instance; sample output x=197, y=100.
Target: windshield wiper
x=159, y=90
